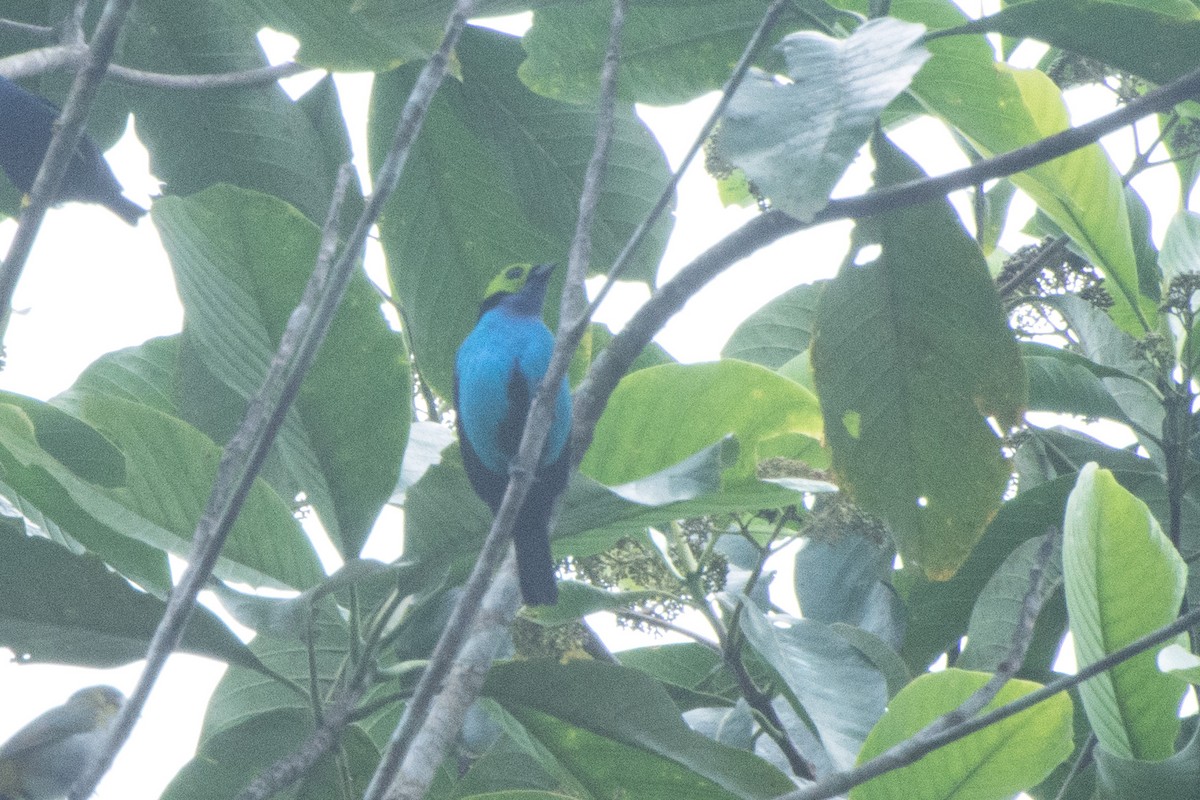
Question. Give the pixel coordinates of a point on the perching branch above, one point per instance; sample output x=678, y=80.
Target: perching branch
x=67, y=131
x=614, y=361
x=463, y=684
x=537, y=427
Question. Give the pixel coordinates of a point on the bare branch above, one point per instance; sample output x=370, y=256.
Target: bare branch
x=63, y=57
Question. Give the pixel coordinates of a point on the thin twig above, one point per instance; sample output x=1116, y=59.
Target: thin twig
x=1082, y=758
x=68, y=56
x=43, y=32
x=67, y=131
x=614, y=361
x=1049, y=252
x=650, y=619
x=914, y=749
x=537, y=427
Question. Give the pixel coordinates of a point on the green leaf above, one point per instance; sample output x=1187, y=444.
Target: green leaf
x=999, y=608
x=795, y=140
x=255, y=137
x=71, y=609
x=227, y=763
x=999, y=108
x=839, y=689
x=645, y=428
x=671, y=52
x=1180, y=253
x=169, y=472
x=909, y=349
x=1156, y=39
x=617, y=731
x=1123, y=580
x=1107, y=345
x=144, y=373
x=1068, y=383
x=938, y=612
x=241, y=261
x=779, y=331
x=845, y=576
x=493, y=179
x=996, y=762
x=1177, y=776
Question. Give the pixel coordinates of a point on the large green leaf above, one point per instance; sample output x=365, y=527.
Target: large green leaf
x=170, y=470
x=241, y=261
x=671, y=52
x=999, y=609
x=795, y=140
x=909, y=349
x=839, y=689
x=495, y=178
x=1123, y=580
x=168, y=473
x=618, y=732
x=779, y=331
x=996, y=762
x=939, y=612
x=661, y=415
x=71, y=609
x=1068, y=383
x=1177, y=776
x=1155, y=39
x=999, y=108
x=255, y=137
x=1110, y=347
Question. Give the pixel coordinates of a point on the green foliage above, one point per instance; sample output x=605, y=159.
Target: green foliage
x=869, y=428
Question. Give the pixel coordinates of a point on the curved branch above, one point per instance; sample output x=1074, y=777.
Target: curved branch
x=615, y=360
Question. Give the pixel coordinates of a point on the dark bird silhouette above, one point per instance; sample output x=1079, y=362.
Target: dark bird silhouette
x=497, y=371
x=26, y=127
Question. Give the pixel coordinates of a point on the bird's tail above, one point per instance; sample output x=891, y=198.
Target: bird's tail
x=535, y=564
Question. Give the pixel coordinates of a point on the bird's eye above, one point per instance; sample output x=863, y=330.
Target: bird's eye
x=514, y=273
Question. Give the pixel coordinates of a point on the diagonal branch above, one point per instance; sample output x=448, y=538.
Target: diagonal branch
x=916, y=748
x=411, y=732
x=615, y=360
x=67, y=131
x=246, y=451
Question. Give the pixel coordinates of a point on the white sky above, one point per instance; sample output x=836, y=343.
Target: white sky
x=94, y=285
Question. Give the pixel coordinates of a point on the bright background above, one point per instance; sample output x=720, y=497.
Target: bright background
x=94, y=284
